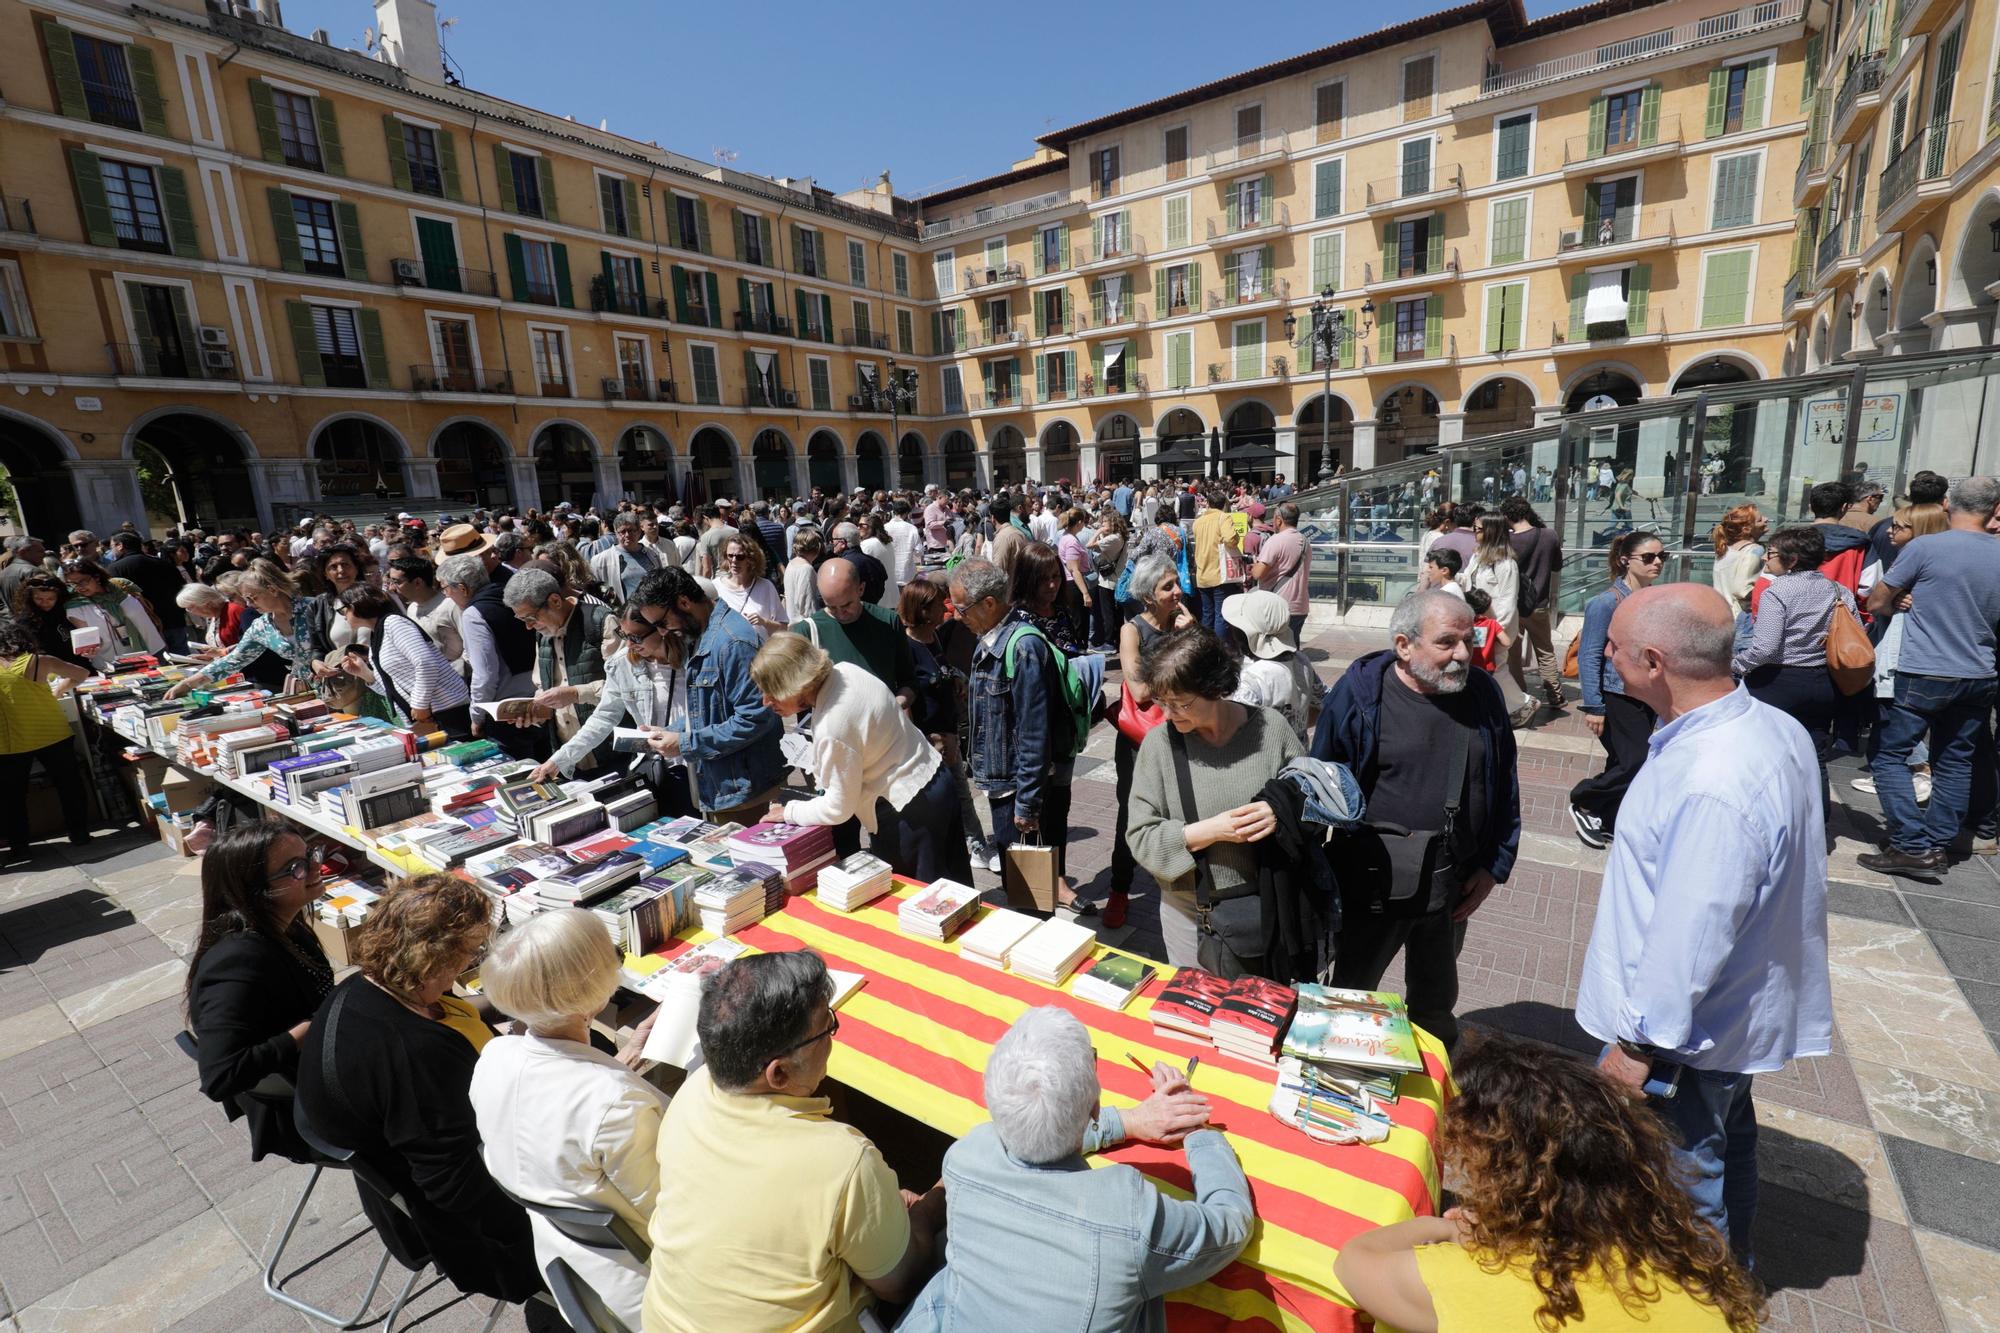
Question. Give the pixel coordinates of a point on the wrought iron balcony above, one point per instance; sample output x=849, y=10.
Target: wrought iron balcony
x=408, y=271
x=1794, y=288
x=609, y=300
x=1627, y=139
x=1624, y=229
x=1118, y=250
x=1246, y=153
x=1863, y=81
x=433, y=378
x=634, y=388
x=1413, y=185
x=112, y=104
x=1811, y=171
x=763, y=321
x=1923, y=160
x=757, y=396
x=866, y=338
x=1266, y=289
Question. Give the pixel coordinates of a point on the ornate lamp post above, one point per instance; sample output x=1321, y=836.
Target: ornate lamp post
x=1330, y=333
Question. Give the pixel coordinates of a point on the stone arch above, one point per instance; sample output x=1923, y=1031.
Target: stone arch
x=1626, y=369
x=1819, y=345
x=1324, y=443
x=646, y=462
x=358, y=453
x=1975, y=264
x=912, y=461
x=771, y=462
x=1916, y=292
x=712, y=452
x=1841, y=315
x=565, y=457
x=1118, y=447
x=145, y=419
x=1062, y=450
x=32, y=455
x=824, y=451
x=1697, y=369
x=472, y=459
x=1875, y=310
x=1406, y=421
x=431, y=445
x=203, y=460
x=1008, y=451
x=1497, y=405
x=871, y=461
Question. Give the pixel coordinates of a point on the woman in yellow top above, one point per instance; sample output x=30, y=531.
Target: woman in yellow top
x=32, y=727
x=1568, y=1215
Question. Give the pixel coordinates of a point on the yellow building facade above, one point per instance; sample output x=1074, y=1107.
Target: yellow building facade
x=244, y=272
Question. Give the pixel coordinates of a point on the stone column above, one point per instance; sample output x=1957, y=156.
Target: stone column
x=276, y=481
x=1364, y=446
x=610, y=481
x=850, y=472
x=107, y=493
x=1086, y=463
x=420, y=479
x=525, y=482
x=1290, y=460
x=1031, y=463
x=1451, y=429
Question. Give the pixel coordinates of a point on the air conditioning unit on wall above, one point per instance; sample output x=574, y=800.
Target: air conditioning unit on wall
x=407, y=272
x=211, y=336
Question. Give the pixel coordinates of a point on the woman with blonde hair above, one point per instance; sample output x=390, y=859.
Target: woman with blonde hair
x=284, y=629
x=561, y=1122
x=1569, y=1211
x=873, y=763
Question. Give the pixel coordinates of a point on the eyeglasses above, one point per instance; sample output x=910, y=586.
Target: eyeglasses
x=1650, y=557
x=832, y=1029
x=636, y=639
x=298, y=867
x=1900, y=527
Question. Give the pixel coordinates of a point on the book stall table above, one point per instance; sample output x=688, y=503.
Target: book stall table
x=916, y=1037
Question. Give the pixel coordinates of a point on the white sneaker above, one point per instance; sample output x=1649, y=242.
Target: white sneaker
x=1863, y=784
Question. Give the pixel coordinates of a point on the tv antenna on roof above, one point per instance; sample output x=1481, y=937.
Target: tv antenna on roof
x=453, y=71
x=721, y=154
x=368, y=39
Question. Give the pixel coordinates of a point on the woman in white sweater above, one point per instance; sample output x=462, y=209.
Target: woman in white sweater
x=873, y=763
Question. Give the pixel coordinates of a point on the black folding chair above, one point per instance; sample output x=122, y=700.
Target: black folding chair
x=583, y=1307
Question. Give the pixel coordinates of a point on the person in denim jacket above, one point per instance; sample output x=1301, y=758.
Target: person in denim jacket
x=1100, y=1249
x=1621, y=723
x=729, y=736
x=1018, y=756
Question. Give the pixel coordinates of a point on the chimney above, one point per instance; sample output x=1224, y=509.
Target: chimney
x=409, y=31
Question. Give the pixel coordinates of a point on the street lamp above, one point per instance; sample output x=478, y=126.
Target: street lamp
x=896, y=391
x=1330, y=333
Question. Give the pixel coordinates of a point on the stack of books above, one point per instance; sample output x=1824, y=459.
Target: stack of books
x=386, y=796
x=443, y=853
x=709, y=847
x=1112, y=980
x=789, y=847
x=770, y=877
x=589, y=880
x=517, y=800
x=1353, y=1032
x=1051, y=951
x=229, y=748
x=651, y=926
x=617, y=911
x=1185, y=1005
x=1252, y=1018
x=563, y=823
x=994, y=936
x=728, y=901
x=631, y=810
x=853, y=883
x=939, y=910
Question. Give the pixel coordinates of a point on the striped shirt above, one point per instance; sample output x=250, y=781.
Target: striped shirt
x=421, y=674
x=1793, y=615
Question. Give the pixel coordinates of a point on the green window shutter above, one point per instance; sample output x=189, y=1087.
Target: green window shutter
x=1809, y=83
x=1267, y=271
x=1322, y=262
x=1434, y=253
x=399, y=158
x=1388, y=338
x=1329, y=185
x=545, y=176
x=1062, y=247
x=1160, y=292
x=353, y=256
x=1433, y=328
x=1348, y=345
x=1035, y=256
x=1649, y=115
x=517, y=268
x=714, y=300
x=1231, y=207
x=1510, y=231
x=673, y=220
x=1516, y=312
x=1230, y=265
x=1177, y=222
x=986, y=374
x=503, y=177
x=374, y=348
x=1248, y=346
x=798, y=248
x=180, y=212
x=736, y=220
x=1638, y=288
x=285, y=230
x=742, y=287
x=1097, y=365
x=1096, y=237
x=1590, y=213
x=803, y=301
x=635, y=217
x=328, y=125
x=1264, y=201
x=939, y=346
x=1041, y=377
x=1041, y=316
x=1194, y=286
x=751, y=381
x=1725, y=300
x=677, y=284
x=1579, y=291
x=305, y=344
x=826, y=316
x=559, y=256
x=1184, y=363
x=62, y=64
x=764, y=237
x=701, y=241
x=1718, y=100
x=1388, y=251
x=266, y=116
x=91, y=199
x=183, y=318
x=1598, y=117
x=146, y=89
x=142, y=328
x=448, y=165
x=1753, y=94
x=1097, y=310
x=1496, y=308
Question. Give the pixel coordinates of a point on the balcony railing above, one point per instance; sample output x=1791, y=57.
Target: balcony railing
x=1914, y=16
x=977, y=276
x=535, y=294
x=1088, y=386
x=993, y=335
x=1244, y=152
x=1412, y=183
x=1106, y=315
x=638, y=389
x=1794, y=287
x=1122, y=250
x=1733, y=23
x=1631, y=139
x=1263, y=220
x=1812, y=158
x=609, y=300
x=1268, y=289
x=161, y=362
x=1231, y=371
x=459, y=379
x=1863, y=79
x=111, y=104
x=755, y=396
x=763, y=321
x=1625, y=226
x=1827, y=251
x=1923, y=158
x=980, y=402
x=981, y=217
x=411, y=272
x=1605, y=334
x=815, y=333
x=556, y=389
x=17, y=215
x=864, y=338
x=1447, y=267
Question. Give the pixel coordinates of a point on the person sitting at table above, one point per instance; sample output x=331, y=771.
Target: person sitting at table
x=33, y=727
x=398, y=659
x=386, y=1070
x=1104, y=1246
x=1569, y=1209
x=257, y=976
x=771, y=1214
x=871, y=761
x=562, y=1123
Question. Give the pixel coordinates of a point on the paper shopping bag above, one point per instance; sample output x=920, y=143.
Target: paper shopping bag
x=1028, y=873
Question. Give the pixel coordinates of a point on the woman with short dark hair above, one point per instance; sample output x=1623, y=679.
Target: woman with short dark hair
x=400, y=661
x=1784, y=663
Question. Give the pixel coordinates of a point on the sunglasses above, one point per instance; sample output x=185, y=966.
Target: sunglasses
x=1650, y=557
x=831, y=1029
x=636, y=639
x=298, y=867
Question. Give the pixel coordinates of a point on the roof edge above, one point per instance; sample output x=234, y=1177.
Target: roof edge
x=1011, y=177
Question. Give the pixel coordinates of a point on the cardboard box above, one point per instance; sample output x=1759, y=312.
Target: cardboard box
x=174, y=830
x=334, y=939
x=185, y=791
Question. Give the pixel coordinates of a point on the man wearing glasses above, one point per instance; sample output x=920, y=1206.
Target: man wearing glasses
x=770, y=1213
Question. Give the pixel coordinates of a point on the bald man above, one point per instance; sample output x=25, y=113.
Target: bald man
x=1707, y=961
x=853, y=629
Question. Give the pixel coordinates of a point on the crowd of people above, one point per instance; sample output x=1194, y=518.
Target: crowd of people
x=935, y=649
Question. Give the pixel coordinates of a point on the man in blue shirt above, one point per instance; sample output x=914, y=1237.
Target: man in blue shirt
x=1121, y=500
x=1707, y=960
x=1948, y=585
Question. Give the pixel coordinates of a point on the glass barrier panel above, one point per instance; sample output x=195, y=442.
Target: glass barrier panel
x=1940, y=419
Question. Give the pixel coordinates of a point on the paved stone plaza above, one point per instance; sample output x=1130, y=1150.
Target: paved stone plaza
x=128, y=1202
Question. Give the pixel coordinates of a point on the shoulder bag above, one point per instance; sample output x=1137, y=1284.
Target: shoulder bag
x=1230, y=935
x=1390, y=872
x=1850, y=657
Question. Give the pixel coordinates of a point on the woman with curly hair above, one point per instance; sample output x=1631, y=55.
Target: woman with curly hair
x=1567, y=1208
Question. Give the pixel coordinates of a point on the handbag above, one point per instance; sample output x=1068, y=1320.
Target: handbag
x=1028, y=874
x=1229, y=932
x=1135, y=719
x=1850, y=657
x=1396, y=873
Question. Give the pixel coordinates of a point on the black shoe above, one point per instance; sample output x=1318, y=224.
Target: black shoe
x=1555, y=696
x=1590, y=829
x=1910, y=865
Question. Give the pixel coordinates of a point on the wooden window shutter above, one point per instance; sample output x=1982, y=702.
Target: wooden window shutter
x=1097, y=365
x=798, y=248
x=503, y=178
x=1231, y=208
x=61, y=49
x=1579, y=292
x=737, y=220
x=1035, y=256
x=1388, y=336
x=1041, y=377
x=305, y=344
x=1638, y=289
x=328, y=124
x=752, y=381
x=1326, y=189
x=266, y=116
x=186, y=239
x=1062, y=247
x=1599, y=114
x=1194, y=286
x=1516, y=312
x=674, y=221
x=94, y=204
x=986, y=374
x=146, y=89
x=1096, y=238
x=1754, y=81
x=448, y=165
x=1348, y=345
x=1389, y=249
x=1434, y=250
x=1590, y=213
x=764, y=238
x=517, y=268
x=701, y=227
x=1433, y=327
x=353, y=255
x=1810, y=82
x=1264, y=201
x=1649, y=115
x=1718, y=100
x=374, y=348
x=1496, y=311
x=1160, y=292
x=826, y=316
x=399, y=158
x=635, y=217
x=545, y=176
x=742, y=287
x=285, y=228
x=148, y=347
x=559, y=260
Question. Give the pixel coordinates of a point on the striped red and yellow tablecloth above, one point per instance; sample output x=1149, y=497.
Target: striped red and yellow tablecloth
x=916, y=1038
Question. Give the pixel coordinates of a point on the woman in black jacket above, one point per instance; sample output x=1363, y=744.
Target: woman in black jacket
x=257, y=976
x=387, y=1071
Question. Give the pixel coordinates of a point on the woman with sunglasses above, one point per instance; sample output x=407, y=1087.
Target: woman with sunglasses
x=1784, y=663
x=1621, y=723
x=257, y=975
x=740, y=584
x=645, y=681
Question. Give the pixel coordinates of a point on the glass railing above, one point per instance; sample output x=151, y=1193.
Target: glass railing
x=1671, y=466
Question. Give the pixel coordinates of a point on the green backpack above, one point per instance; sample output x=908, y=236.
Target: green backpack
x=1076, y=693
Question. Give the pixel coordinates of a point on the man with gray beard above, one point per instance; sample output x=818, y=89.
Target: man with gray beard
x=1400, y=719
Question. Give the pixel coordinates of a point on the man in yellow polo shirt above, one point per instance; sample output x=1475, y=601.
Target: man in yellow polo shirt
x=770, y=1216
x=1214, y=529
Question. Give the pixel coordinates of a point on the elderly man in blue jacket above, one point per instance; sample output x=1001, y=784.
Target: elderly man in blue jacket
x=1399, y=719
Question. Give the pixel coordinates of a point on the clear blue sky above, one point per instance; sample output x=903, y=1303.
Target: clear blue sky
x=840, y=91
